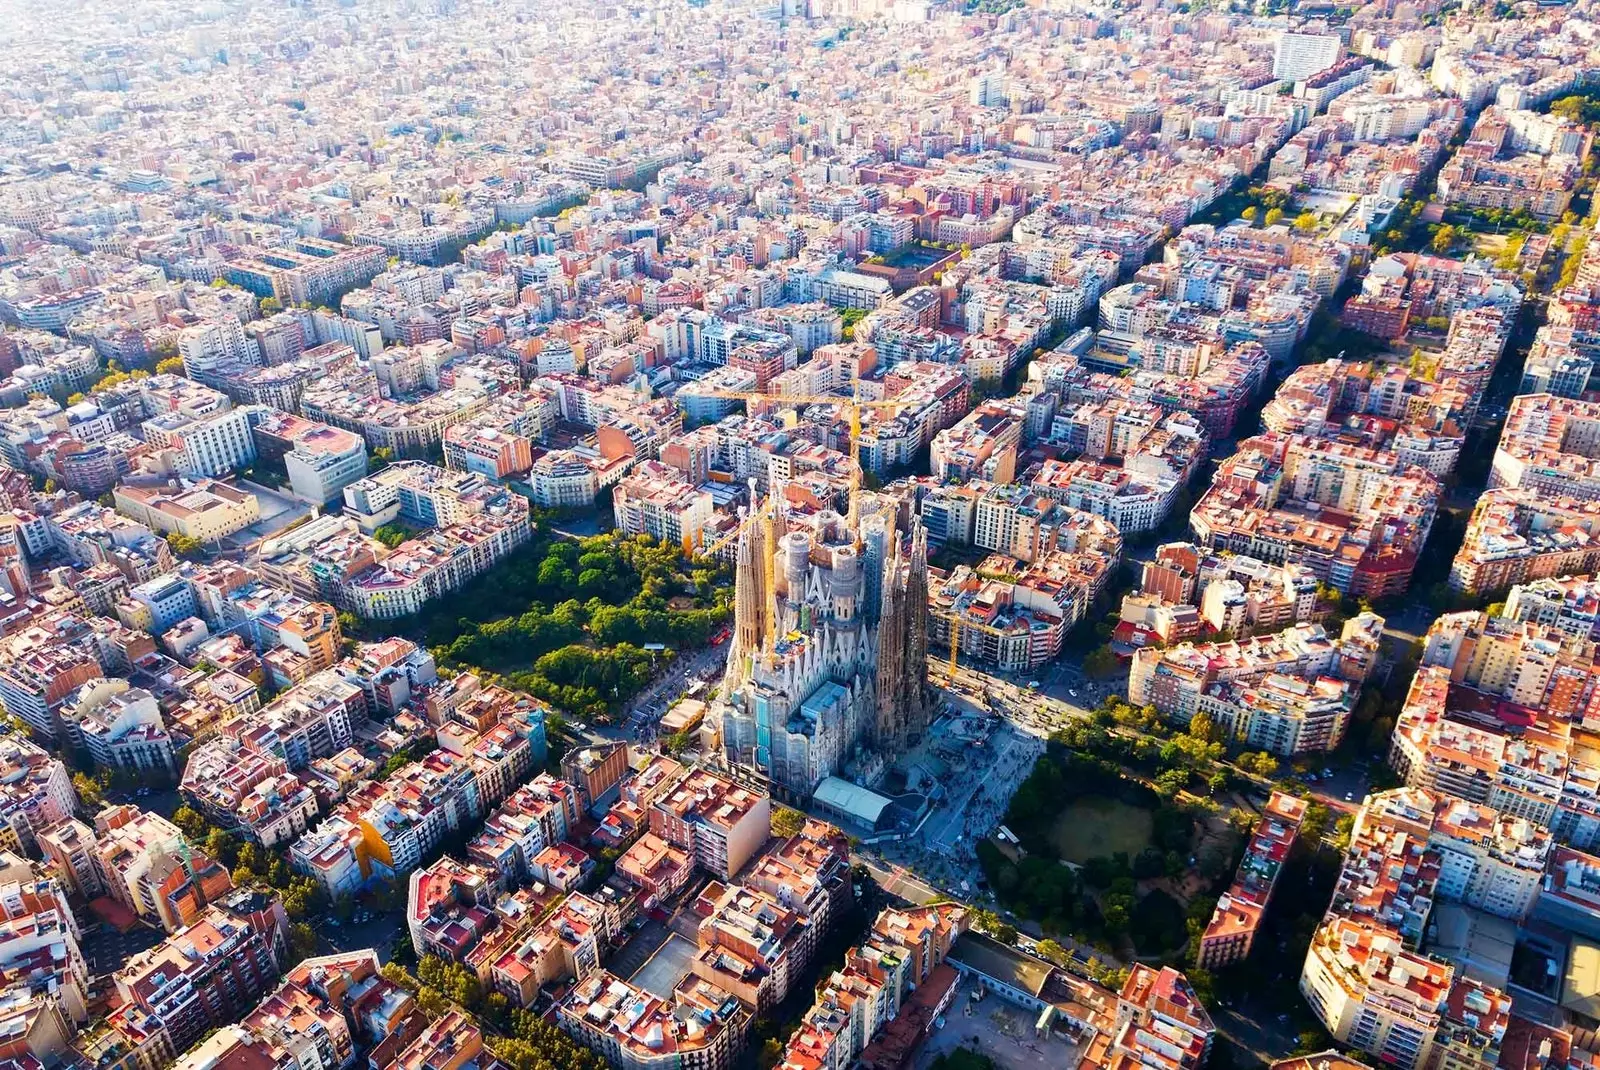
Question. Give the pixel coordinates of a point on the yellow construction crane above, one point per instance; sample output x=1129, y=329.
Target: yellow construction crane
x=854, y=405
x=956, y=624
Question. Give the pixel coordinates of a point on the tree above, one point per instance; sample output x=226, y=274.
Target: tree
x=1249, y=214
x=1101, y=663
x=1274, y=216
x=170, y=366
x=270, y=305
x=88, y=792
x=1202, y=728
x=787, y=822
x=1150, y=862
x=771, y=1054
x=391, y=535
x=189, y=822
x=185, y=546
x=1305, y=222
x=1315, y=822
x=1378, y=735
x=1170, y=783
x=431, y=1002
x=302, y=897
x=220, y=846
x=1053, y=951
x=302, y=940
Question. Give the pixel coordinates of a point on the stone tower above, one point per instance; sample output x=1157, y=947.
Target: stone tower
x=750, y=596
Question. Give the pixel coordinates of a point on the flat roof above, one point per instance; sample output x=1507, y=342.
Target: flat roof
x=1000, y=963
x=1580, y=989
x=863, y=804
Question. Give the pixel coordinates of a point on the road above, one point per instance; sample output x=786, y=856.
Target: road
x=705, y=664
x=163, y=801
x=1252, y=1028
x=644, y=710
x=898, y=882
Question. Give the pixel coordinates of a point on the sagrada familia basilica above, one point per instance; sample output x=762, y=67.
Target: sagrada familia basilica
x=827, y=672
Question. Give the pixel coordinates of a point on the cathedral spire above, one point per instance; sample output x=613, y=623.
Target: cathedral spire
x=915, y=687
x=892, y=636
x=750, y=598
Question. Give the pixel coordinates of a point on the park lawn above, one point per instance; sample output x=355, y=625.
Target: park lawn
x=1099, y=827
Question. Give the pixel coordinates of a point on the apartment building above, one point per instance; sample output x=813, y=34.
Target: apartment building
x=120, y=727
x=566, y=944
x=660, y=870
x=1517, y=536
x=335, y=854
x=407, y=428
x=538, y=815
x=1374, y=995
x=313, y=719
x=450, y=906
x=653, y=500
x=1375, y=405
x=750, y=945
x=215, y=345
x=1354, y=516
x=248, y=791
x=477, y=523
x=44, y=664
x=202, y=446
x=322, y=462
x=1131, y=500
x=982, y=445
x=1292, y=690
x=47, y=977
x=1283, y=714
x=486, y=450
x=1549, y=445
x=210, y=973
x=143, y=862
x=1478, y=177
x=701, y=1027
x=722, y=823
x=311, y=271
x=906, y=949
x=1364, y=976
x=1234, y=593
x=1231, y=932
x=35, y=794
x=1016, y=613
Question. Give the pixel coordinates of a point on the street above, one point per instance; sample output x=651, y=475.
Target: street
x=897, y=882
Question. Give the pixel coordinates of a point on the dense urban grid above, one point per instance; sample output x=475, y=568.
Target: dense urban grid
x=804, y=534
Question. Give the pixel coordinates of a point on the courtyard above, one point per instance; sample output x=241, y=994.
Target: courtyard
x=1002, y=1031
